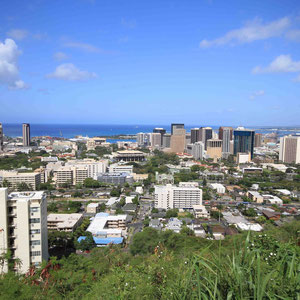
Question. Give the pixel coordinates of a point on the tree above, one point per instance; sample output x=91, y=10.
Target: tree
x=23, y=186
x=172, y=213
x=86, y=243
x=187, y=231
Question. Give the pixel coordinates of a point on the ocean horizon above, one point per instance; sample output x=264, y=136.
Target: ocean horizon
x=90, y=130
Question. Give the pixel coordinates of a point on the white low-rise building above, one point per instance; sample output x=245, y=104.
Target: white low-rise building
x=200, y=211
x=220, y=188
x=272, y=199
x=255, y=196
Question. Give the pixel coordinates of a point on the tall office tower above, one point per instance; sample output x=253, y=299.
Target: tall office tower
x=206, y=134
x=257, y=140
x=289, y=151
x=156, y=139
x=243, y=141
x=1, y=137
x=221, y=130
x=176, y=126
x=225, y=134
x=184, y=196
x=178, y=140
x=162, y=131
x=214, y=149
x=23, y=224
x=187, y=138
x=195, y=135
x=166, y=140
x=26, y=134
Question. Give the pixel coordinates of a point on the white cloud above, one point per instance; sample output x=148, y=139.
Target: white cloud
x=252, y=31
x=60, y=56
x=9, y=72
x=71, y=73
x=281, y=64
x=293, y=35
x=257, y=94
x=82, y=46
x=18, y=34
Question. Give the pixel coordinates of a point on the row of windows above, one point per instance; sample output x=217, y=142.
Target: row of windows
x=35, y=231
x=35, y=243
x=34, y=209
x=35, y=253
x=34, y=220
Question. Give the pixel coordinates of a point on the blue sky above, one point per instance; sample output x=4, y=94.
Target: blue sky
x=150, y=62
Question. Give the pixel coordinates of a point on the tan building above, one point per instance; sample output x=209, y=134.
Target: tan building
x=255, y=196
x=178, y=141
x=23, y=228
x=94, y=142
x=92, y=208
x=14, y=178
x=289, y=151
x=64, y=222
x=258, y=140
x=214, y=149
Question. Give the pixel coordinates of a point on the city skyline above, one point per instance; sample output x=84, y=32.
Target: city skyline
x=155, y=63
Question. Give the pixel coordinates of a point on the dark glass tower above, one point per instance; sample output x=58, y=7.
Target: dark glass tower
x=243, y=141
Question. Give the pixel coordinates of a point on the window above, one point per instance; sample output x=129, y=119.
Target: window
x=34, y=209
x=35, y=253
x=36, y=242
x=34, y=220
x=35, y=231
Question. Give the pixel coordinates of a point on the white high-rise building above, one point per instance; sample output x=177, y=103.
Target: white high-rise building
x=93, y=167
x=198, y=150
x=156, y=140
x=23, y=228
x=289, y=151
x=183, y=196
x=226, y=138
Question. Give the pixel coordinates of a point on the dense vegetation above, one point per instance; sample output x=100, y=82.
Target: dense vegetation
x=172, y=266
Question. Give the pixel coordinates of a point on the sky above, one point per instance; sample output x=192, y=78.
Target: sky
x=202, y=62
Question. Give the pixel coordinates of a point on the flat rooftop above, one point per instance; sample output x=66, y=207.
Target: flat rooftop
x=26, y=195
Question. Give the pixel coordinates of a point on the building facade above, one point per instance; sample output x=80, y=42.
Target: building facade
x=23, y=224
x=289, y=151
x=1, y=137
x=183, y=196
x=26, y=134
x=243, y=141
x=214, y=149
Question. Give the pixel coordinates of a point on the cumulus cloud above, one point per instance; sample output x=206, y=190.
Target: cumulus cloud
x=82, y=46
x=9, y=72
x=252, y=31
x=281, y=64
x=71, y=73
x=257, y=94
x=60, y=56
x=18, y=34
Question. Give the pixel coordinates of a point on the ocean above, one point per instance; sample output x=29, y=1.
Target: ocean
x=90, y=130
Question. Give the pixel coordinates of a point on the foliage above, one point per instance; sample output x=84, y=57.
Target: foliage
x=87, y=243
x=172, y=213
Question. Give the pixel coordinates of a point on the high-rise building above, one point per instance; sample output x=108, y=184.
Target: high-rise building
x=195, y=135
x=205, y=134
x=257, y=140
x=243, y=140
x=176, y=126
x=26, y=134
x=214, y=149
x=1, y=137
x=196, y=149
x=184, y=196
x=178, y=140
x=166, y=140
x=143, y=139
x=162, y=131
x=225, y=134
x=289, y=151
x=156, y=139
x=23, y=224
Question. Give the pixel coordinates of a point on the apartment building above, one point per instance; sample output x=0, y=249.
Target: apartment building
x=93, y=167
x=14, y=178
x=64, y=222
x=23, y=228
x=183, y=196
